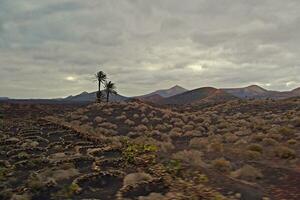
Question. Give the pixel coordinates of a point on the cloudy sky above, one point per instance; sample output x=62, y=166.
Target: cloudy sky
x=51, y=48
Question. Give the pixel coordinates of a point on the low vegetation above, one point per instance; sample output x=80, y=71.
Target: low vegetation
x=135, y=150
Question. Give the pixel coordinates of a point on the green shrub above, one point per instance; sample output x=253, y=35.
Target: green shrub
x=173, y=166
x=132, y=151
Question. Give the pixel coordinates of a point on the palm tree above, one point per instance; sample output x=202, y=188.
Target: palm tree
x=110, y=88
x=101, y=78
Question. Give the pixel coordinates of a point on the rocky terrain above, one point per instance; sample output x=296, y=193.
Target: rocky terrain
x=237, y=149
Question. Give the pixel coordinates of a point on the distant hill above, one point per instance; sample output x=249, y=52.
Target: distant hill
x=258, y=92
x=247, y=92
x=296, y=91
x=90, y=97
x=151, y=98
x=165, y=93
x=198, y=95
x=4, y=98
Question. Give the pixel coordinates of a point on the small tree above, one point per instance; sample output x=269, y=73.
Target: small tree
x=110, y=88
x=101, y=78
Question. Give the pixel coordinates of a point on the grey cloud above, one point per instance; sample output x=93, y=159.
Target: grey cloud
x=146, y=45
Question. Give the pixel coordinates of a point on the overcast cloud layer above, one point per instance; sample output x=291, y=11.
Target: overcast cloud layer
x=51, y=48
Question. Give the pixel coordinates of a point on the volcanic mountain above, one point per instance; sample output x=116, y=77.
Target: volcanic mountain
x=258, y=92
x=247, y=92
x=91, y=97
x=199, y=95
x=159, y=95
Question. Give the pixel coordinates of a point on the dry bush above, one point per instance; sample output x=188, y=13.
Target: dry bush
x=189, y=157
x=193, y=133
x=98, y=119
x=74, y=116
x=241, y=142
x=176, y=132
x=252, y=155
x=108, y=125
x=107, y=111
x=121, y=117
x=177, y=122
x=166, y=147
x=292, y=142
x=230, y=138
x=198, y=143
x=296, y=122
x=255, y=147
x=221, y=165
x=136, y=116
x=141, y=128
x=161, y=127
x=75, y=123
x=151, y=114
x=165, y=138
x=127, y=108
x=284, y=152
x=216, y=146
x=145, y=121
x=166, y=116
x=198, y=119
x=247, y=172
x=82, y=110
x=185, y=118
x=187, y=127
x=83, y=118
x=136, y=178
x=143, y=109
x=269, y=142
x=286, y=131
x=155, y=133
x=258, y=137
x=275, y=136
x=129, y=122
x=153, y=196
x=156, y=120
x=222, y=125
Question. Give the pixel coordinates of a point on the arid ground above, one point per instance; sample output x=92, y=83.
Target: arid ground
x=240, y=149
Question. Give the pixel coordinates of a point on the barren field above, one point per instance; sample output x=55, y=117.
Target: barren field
x=241, y=149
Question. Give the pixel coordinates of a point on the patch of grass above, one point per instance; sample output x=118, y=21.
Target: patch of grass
x=132, y=151
x=173, y=166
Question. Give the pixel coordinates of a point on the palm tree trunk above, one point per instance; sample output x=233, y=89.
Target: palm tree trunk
x=107, y=96
x=99, y=92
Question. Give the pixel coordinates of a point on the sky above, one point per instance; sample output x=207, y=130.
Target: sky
x=52, y=48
